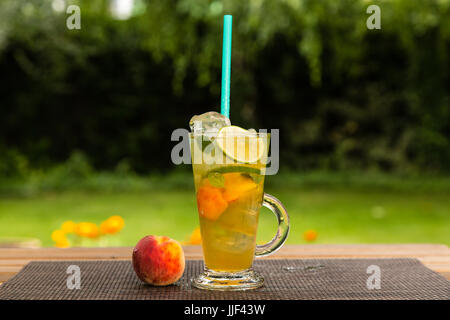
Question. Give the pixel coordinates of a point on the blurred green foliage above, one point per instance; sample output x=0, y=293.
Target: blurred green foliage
x=344, y=97
x=77, y=175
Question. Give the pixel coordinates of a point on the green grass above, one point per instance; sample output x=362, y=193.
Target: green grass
x=338, y=215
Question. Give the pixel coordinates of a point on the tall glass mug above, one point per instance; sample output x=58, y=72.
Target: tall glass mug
x=229, y=172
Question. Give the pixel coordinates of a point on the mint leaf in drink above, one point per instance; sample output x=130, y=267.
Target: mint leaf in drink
x=236, y=168
x=216, y=179
x=246, y=175
x=256, y=178
x=205, y=143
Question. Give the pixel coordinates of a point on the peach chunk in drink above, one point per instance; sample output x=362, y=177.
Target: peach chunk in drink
x=228, y=215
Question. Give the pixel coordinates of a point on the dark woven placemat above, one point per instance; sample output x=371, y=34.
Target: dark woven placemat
x=284, y=280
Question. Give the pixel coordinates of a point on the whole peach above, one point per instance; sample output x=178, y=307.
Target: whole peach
x=158, y=260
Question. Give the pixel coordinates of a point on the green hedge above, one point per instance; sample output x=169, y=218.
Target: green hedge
x=344, y=97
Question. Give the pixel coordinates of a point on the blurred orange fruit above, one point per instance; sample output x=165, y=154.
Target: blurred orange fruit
x=87, y=229
x=58, y=235
x=196, y=237
x=310, y=235
x=112, y=225
x=62, y=243
x=68, y=226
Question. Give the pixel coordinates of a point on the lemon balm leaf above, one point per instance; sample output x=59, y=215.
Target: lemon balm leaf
x=205, y=143
x=236, y=168
x=216, y=179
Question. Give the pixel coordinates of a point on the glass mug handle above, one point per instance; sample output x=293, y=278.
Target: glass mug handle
x=274, y=205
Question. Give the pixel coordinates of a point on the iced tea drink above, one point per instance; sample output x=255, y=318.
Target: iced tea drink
x=229, y=198
x=229, y=165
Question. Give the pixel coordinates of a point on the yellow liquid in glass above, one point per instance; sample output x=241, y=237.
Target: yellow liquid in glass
x=229, y=220
x=229, y=198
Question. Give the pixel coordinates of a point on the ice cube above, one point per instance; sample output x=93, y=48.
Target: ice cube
x=209, y=123
x=231, y=241
x=238, y=243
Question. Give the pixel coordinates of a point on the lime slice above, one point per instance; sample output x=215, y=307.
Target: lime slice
x=240, y=145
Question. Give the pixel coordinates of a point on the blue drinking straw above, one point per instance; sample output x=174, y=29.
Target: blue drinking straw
x=226, y=65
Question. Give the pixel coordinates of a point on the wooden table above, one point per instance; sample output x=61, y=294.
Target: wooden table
x=434, y=256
